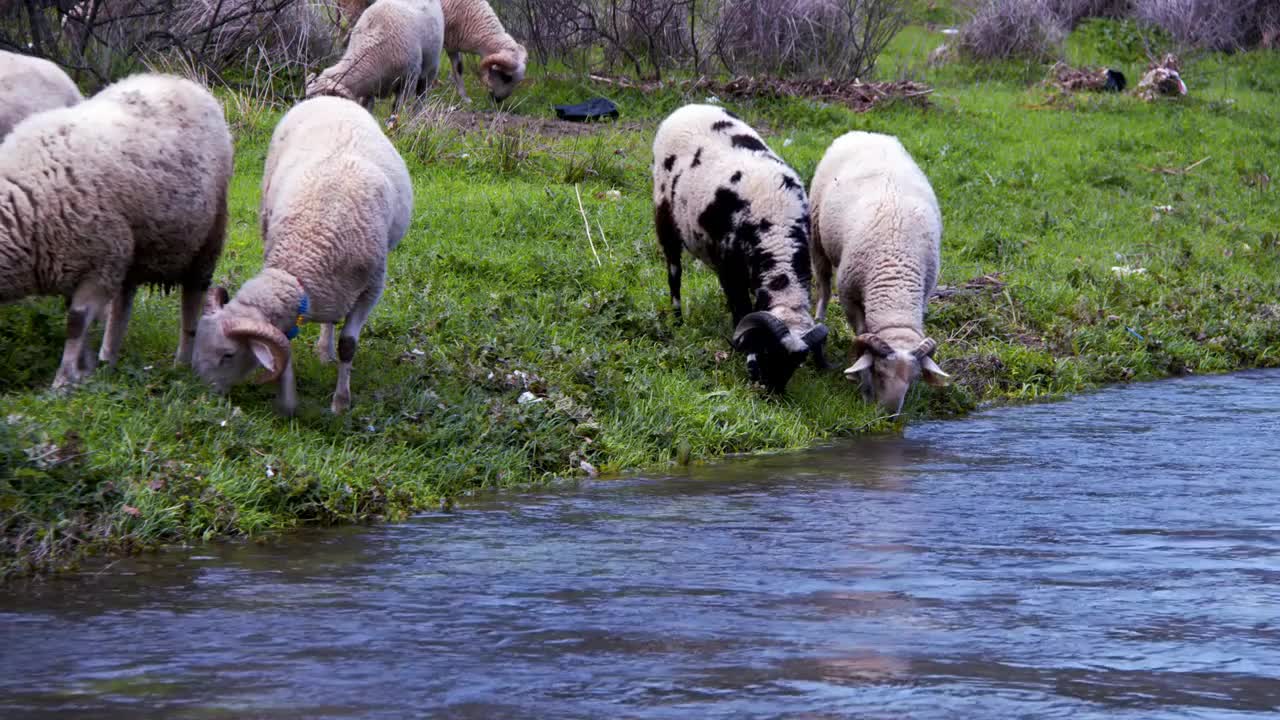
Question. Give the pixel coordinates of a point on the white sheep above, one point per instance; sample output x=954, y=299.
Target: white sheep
x=396, y=44
x=471, y=26
x=876, y=222
x=124, y=189
x=722, y=194
x=336, y=199
x=29, y=85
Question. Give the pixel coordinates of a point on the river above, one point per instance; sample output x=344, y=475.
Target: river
x=1115, y=555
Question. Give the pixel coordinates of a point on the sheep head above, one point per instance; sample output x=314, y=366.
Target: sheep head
x=773, y=350
x=886, y=373
x=502, y=71
x=233, y=340
x=326, y=84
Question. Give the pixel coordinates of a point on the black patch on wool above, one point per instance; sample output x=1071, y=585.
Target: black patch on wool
x=735, y=177
x=717, y=217
x=669, y=163
x=697, y=159
x=789, y=183
x=675, y=179
x=799, y=235
x=721, y=125
x=779, y=282
x=729, y=112
x=748, y=142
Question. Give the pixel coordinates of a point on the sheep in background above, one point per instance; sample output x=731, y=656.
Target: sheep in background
x=124, y=189
x=722, y=194
x=876, y=222
x=29, y=85
x=336, y=199
x=471, y=26
x=395, y=43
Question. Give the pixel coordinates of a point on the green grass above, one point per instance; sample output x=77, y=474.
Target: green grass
x=495, y=290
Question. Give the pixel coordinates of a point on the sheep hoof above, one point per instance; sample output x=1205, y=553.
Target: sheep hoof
x=341, y=404
x=286, y=409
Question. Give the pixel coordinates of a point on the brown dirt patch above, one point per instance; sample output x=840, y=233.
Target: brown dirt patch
x=990, y=283
x=502, y=122
x=857, y=95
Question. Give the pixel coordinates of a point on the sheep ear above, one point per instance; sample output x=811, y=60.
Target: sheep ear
x=266, y=358
x=934, y=374
x=215, y=299
x=864, y=363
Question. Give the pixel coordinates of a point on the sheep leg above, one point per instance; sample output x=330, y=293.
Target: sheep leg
x=822, y=283
x=455, y=57
x=287, y=391
x=87, y=304
x=347, y=342
x=408, y=85
x=324, y=346
x=192, y=306
x=117, y=325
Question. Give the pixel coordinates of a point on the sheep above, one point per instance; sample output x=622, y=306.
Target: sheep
x=876, y=222
x=29, y=85
x=336, y=199
x=471, y=26
x=722, y=194
x=394, y=43
x=126, y=188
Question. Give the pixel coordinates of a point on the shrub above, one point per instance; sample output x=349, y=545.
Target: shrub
x=1071, y=12
x=1215, y=24
x=840, y=39
x=1003, y=29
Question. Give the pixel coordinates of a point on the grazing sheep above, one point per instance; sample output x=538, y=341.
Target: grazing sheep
x=124, y=189
x=876, y=222
x=336, y=198
x=471, y=26
x=722, y=194
x=29, y=85
x=395, y=44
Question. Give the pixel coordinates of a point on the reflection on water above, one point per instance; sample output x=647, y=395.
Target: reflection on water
x=1117, y=555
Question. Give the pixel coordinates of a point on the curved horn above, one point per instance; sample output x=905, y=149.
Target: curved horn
x=925, y=349
x=269, y=335
x=498, y=60
x=872, y=342
x=759, y=320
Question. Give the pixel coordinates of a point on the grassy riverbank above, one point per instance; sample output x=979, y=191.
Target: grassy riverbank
x=496, y=291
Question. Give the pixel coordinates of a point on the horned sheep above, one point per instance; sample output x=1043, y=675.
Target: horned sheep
x=336, y=199
x=876, y=223
x=395, y=45
x=722, y=194
x=29, y=85
x=471, y=26
x=124, y=189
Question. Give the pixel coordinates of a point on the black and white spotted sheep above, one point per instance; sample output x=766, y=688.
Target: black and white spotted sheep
x=722, y=194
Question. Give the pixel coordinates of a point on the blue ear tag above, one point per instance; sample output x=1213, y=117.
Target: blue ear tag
x=303, y=306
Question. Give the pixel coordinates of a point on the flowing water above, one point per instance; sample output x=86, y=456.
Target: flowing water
x=1116, y=555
